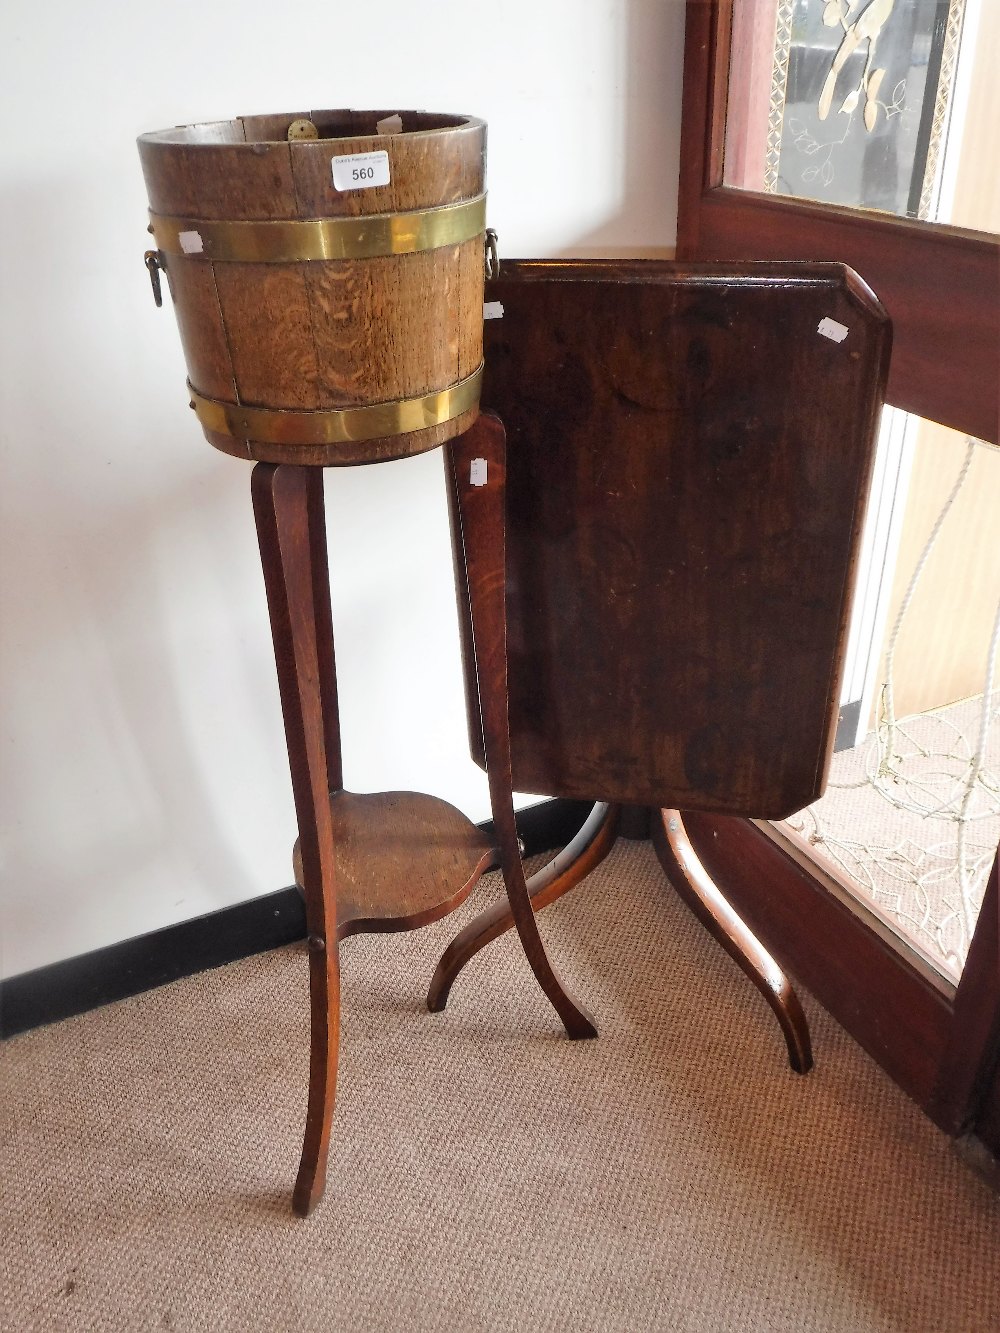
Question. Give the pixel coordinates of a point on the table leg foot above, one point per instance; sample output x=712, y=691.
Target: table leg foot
x=696, y=887
x=324, y=995
x=576, y=860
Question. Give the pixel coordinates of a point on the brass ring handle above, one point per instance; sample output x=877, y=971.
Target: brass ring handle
x=492, y=258
x=154, y=266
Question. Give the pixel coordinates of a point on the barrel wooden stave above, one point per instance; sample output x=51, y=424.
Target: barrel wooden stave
x=219, y=181
x=203, y=334
x=271, y=345
x=270, y=128
x=421, y=304
x=426, y=170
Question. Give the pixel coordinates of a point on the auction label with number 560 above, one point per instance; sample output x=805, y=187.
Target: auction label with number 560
x=360, y=171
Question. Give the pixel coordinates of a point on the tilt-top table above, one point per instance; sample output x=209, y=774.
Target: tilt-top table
x=690, y=455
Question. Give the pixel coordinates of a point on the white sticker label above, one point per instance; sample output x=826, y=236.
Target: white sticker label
x=477, y=472
x=390, y=125
x=360, y=171
x=831, y=329
x=492, y=310
x=191, y=242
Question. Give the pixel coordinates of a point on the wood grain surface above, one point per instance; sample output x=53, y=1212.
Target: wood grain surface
x=688, y=470
x=402, y=859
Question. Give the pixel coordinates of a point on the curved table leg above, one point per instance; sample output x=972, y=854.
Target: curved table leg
x=697, y=888
x=288, y=507
x=477, y=467
x=576, y=860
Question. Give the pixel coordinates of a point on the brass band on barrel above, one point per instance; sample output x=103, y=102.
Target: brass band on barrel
x=337, y=425
x=321, y=238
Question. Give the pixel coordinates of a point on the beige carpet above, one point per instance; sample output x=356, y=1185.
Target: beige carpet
x=486, y=1173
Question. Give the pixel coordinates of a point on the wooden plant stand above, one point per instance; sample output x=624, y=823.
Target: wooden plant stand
x=397, y=860
x=327, y=274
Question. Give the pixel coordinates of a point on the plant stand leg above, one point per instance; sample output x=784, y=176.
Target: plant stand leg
x=291, y=530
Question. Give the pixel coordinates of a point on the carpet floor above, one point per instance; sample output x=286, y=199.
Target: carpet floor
x=485, y=1172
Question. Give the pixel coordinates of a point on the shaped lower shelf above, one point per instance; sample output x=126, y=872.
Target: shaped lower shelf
x=403, y=860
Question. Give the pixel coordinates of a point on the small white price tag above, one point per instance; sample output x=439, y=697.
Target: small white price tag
x=492, y=310
x=191, y=242
x=833, y=329
x=477, y=472
x=360, y=171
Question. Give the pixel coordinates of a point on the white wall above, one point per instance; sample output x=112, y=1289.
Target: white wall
x=143, y=767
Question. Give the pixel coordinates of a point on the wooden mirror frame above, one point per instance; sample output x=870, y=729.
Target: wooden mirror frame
x=956, y=302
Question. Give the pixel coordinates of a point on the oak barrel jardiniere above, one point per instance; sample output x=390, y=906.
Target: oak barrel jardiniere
x=327, y=272
x=328, y=287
